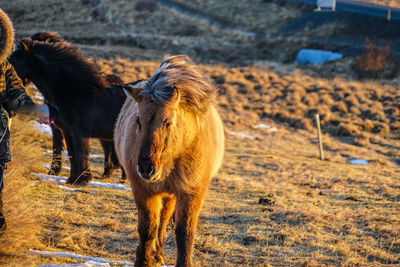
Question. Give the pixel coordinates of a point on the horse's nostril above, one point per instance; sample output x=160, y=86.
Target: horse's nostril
x=153, y=171
x=146, y=171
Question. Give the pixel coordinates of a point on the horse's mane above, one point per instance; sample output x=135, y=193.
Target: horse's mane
x=195, y=89
x=48, y=37
x=70, y=61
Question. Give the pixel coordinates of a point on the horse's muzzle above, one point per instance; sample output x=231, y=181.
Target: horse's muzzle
x=146, y=170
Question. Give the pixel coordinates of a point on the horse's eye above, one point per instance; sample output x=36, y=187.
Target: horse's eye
x=167, y=123
x=138, y=123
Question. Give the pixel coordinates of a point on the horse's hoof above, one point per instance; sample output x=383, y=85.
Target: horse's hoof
x=106, y=174
x=82, y=180
x=54, y=171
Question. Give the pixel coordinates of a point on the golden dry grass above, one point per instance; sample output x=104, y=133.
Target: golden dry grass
x=273, y=202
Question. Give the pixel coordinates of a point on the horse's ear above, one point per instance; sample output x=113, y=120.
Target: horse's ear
x=133, y=91
x=24, y=46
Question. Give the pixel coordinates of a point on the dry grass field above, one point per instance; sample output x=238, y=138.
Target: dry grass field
x=273, y=202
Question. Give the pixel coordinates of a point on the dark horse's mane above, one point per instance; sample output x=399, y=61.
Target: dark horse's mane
x=48, y=37
x=69, y=61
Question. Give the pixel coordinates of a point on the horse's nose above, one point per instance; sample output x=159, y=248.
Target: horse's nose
x=146, y=169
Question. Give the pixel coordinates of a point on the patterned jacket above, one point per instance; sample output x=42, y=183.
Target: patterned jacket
x=12, y=91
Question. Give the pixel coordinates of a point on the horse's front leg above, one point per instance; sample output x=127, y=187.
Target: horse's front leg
x=186, y=217
x=166, y=213
x=57, y=150
x=81, y=155
x=149, y=218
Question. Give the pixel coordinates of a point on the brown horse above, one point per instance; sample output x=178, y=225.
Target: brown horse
x=170, y=141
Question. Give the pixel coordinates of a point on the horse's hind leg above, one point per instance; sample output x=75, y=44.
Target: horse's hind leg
x=149, y=209
x=166, y=214
x=116, y=163
x=81, y=157
x=108, y=164
x=57, y=150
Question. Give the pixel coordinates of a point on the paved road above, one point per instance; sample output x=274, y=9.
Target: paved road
x=363, y=8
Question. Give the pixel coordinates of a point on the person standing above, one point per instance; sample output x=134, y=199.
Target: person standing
x=12, y=97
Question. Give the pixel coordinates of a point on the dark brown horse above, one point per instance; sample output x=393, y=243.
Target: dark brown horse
x=170, y=141
x=83, y=103
x=110, y=158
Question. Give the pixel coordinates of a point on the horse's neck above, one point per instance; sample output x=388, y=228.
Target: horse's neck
x=57, y=88
x=44, y=87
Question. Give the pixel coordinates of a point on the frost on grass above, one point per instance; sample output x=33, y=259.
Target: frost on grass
x=62, y=180
x=87, y=261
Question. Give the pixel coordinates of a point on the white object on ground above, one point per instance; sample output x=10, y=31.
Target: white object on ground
x=316, y=56
x=89, y=261
x=43, y=128
x=358, y=161
x=69, y=189
x=242, y=134
x=62, y=180
x=48, y=166
x=65, y=153
x=267, y=127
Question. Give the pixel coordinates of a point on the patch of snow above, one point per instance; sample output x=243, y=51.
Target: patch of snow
x=315, y=57
x=43, y=128
x=51, y=178
x=47, y=166
x=108, y=185
x=358, y=161
x=242, y=134
x=83, y=264
x=64, y=153
x=267, y=127
x=95, y=156
x=88, y=261
x=62, y=180
x=69, y=189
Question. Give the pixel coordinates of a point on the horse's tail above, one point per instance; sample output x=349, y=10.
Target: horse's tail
x=6, y=36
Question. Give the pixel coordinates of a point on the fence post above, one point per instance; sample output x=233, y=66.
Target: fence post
x=321, y=149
